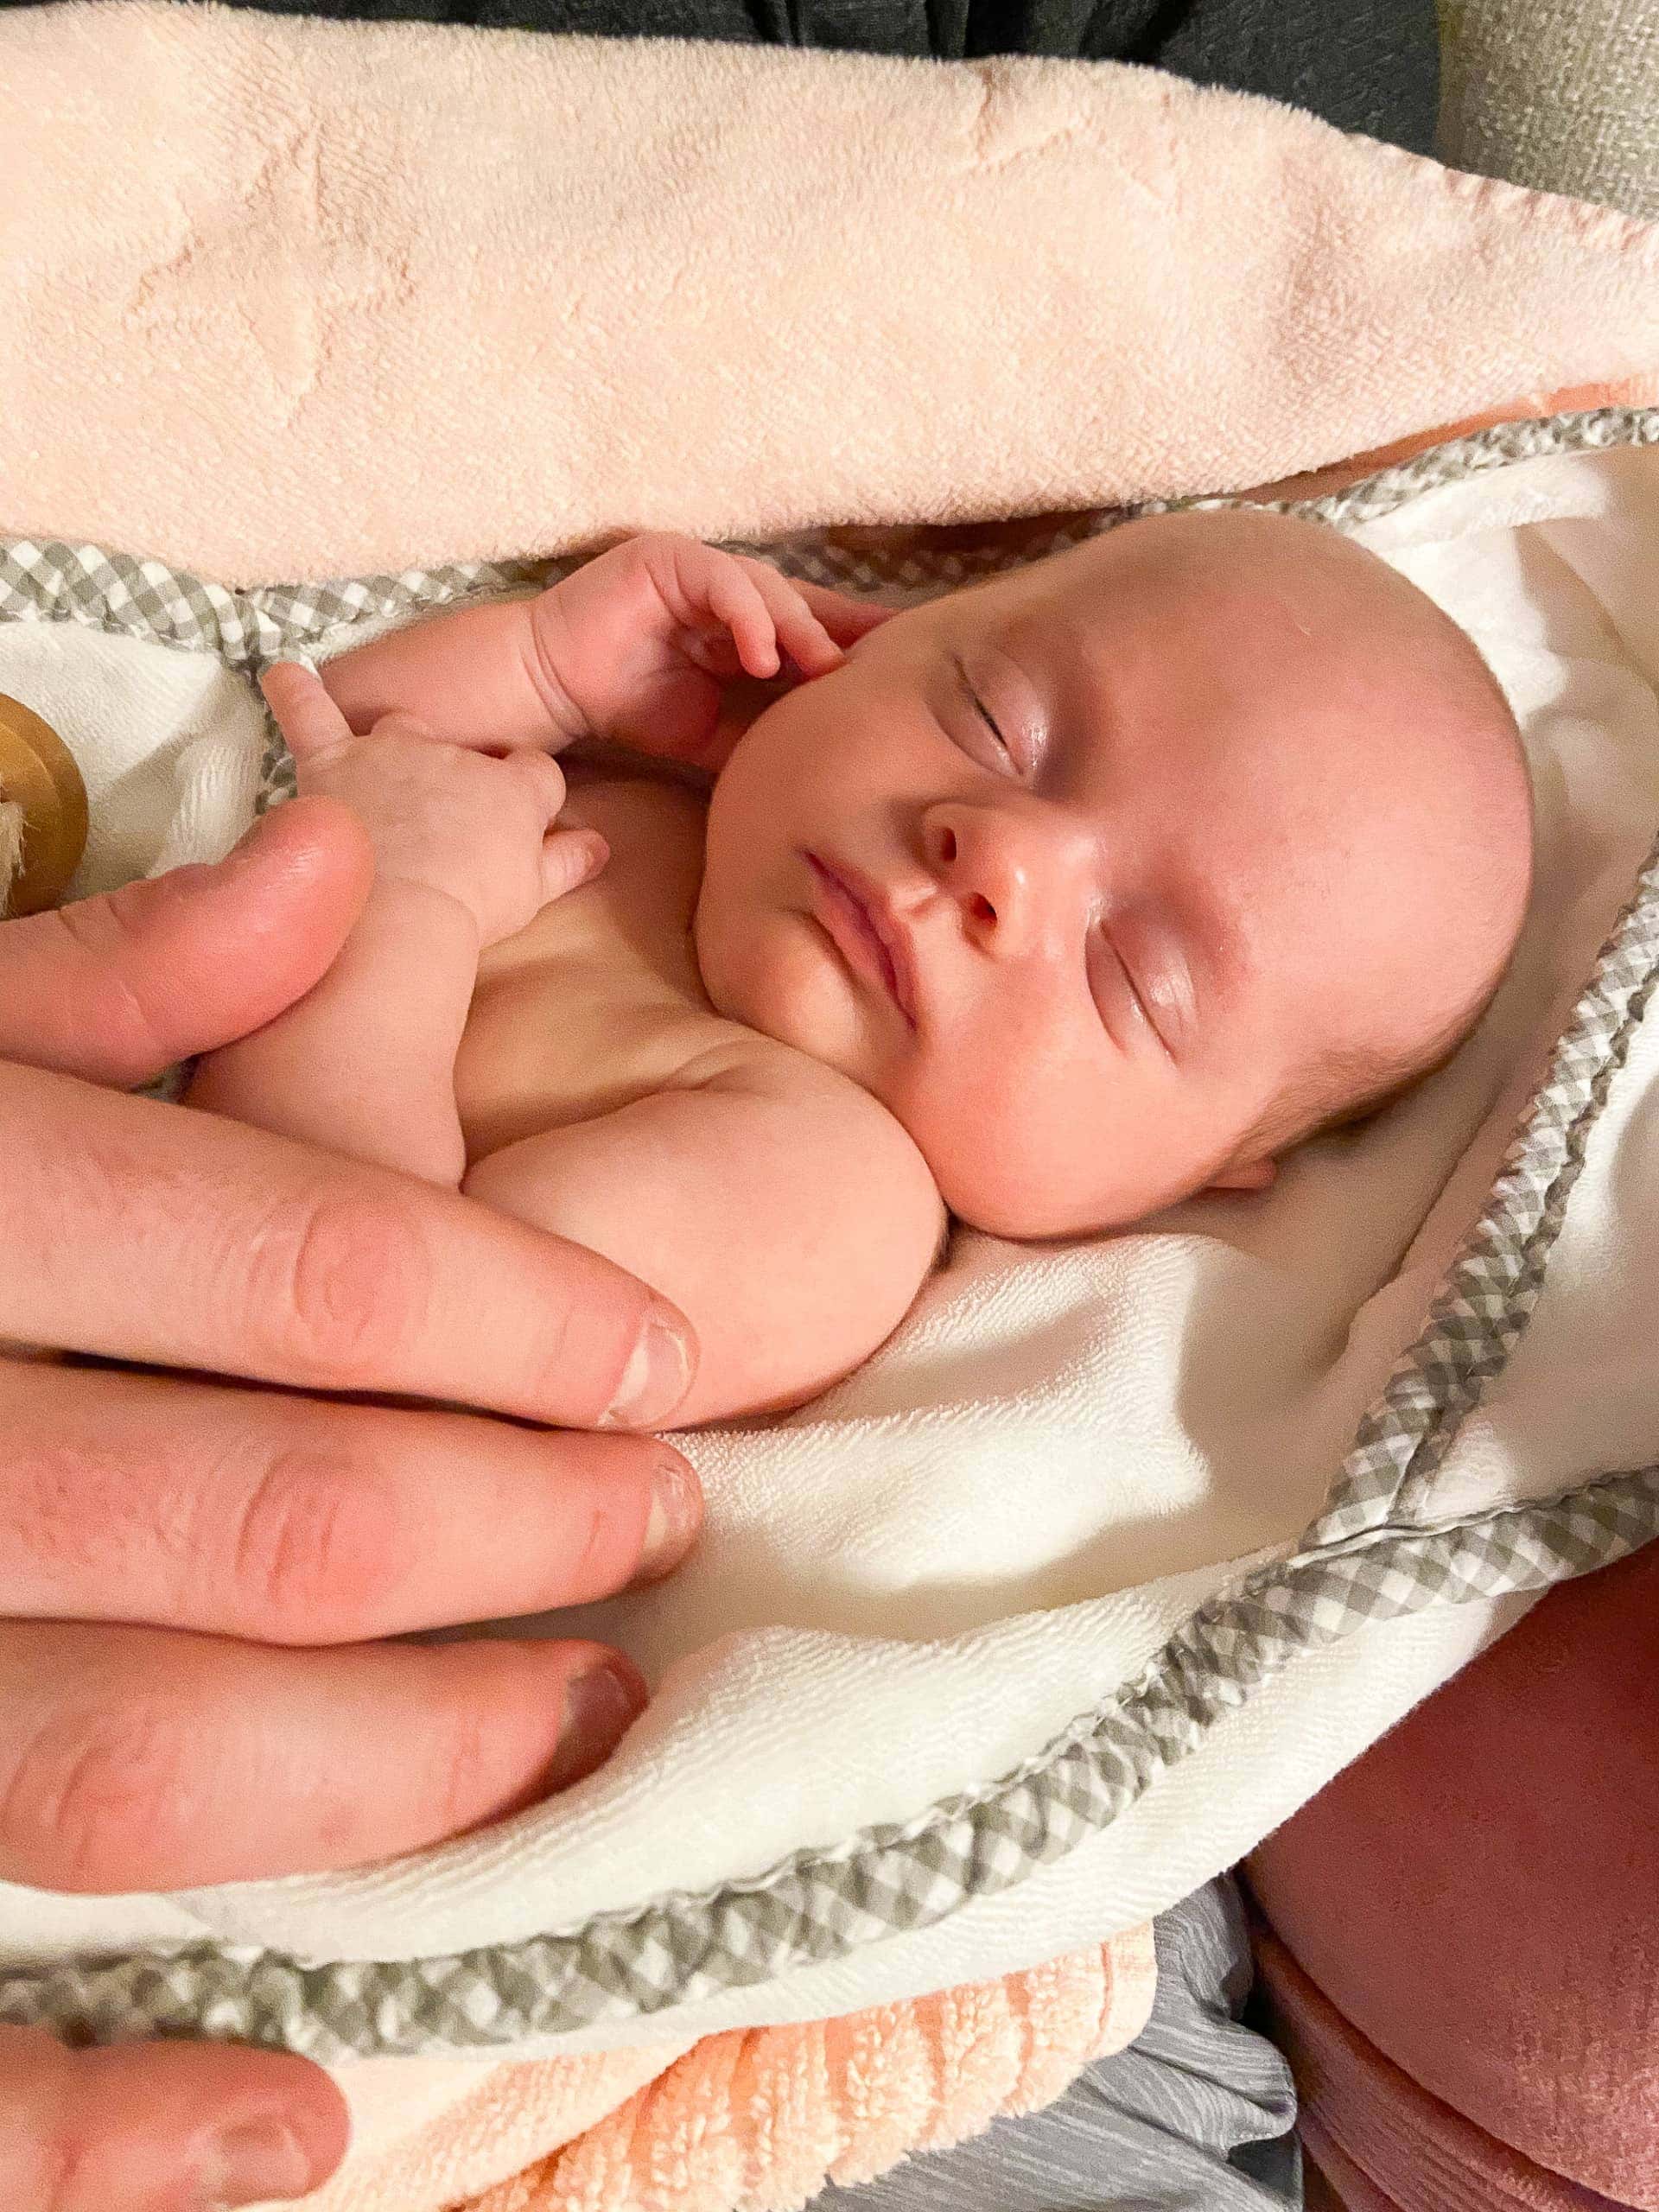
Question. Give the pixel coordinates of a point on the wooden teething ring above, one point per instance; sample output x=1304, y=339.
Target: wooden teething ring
x=38, y=772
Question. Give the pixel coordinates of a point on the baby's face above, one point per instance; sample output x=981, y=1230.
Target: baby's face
x=1073, y=869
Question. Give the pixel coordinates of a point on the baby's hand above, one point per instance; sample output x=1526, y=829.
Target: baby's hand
x=638, y=646
x=477, y=827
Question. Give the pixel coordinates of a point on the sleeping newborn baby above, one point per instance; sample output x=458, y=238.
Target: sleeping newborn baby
x=1042, y=904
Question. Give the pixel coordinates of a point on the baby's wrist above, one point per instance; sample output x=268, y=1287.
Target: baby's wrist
x=551, y=646
x=424, y=909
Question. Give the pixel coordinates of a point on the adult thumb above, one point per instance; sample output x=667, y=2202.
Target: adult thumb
x=117, y=988
x=160, y=2127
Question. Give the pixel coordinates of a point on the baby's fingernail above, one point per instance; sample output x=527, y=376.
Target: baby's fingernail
x=596, y=853
x=657, y=1375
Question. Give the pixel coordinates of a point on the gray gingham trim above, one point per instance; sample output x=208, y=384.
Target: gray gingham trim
x=881, y=1881
x=1367, y=1558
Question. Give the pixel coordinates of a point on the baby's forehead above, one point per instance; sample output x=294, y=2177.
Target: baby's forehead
x=1077, y=613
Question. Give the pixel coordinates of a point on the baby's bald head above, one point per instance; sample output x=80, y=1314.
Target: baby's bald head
x=1410, y=713
x=1187, y=842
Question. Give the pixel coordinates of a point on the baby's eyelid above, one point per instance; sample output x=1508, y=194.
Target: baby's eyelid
x=1136, y=995
x=985, y=717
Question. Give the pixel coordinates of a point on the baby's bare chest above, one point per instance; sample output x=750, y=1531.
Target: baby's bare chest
x=598, y=1003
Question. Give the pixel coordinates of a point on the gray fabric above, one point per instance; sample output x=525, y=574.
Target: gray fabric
x=1195, y=2116
x=1564, y=98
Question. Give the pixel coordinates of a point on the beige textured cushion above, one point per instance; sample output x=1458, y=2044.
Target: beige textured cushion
x=1562, y=95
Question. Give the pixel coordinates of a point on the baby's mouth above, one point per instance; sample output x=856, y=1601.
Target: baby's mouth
x=865, y=938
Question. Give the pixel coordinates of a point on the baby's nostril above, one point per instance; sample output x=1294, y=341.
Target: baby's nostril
x=947, y=845
x=982, y=909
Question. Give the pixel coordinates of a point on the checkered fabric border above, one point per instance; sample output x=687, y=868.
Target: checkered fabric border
x=1368, y=1557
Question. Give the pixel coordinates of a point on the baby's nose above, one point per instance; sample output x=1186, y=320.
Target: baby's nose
x=1001, y=869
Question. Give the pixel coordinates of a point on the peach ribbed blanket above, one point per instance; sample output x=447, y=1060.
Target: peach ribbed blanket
x=759, y=2119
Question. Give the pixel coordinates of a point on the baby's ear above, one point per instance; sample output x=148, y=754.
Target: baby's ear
x=1255, y=1177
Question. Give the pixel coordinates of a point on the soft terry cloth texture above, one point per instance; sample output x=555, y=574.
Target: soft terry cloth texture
x=758, y=2120
x=282, y=298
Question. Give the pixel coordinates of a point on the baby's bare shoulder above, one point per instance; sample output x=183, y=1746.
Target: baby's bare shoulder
x=783, y=1210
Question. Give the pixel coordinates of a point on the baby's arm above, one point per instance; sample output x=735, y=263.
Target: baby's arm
x=464, y=856
x=784, y=1211
x=636, y=647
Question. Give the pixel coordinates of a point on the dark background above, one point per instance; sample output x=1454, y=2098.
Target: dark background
x=1363, y=65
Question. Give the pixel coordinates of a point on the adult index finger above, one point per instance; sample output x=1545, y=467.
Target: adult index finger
x=162, y=1234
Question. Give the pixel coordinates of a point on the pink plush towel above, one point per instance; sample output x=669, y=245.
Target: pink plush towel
x=758, y=2120
x=283, y=298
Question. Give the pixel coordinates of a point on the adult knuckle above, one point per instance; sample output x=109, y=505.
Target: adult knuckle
x=320, y=1547
x=340, y=1286
x=62, y=1508
x=94, y=1792
x=104, y=935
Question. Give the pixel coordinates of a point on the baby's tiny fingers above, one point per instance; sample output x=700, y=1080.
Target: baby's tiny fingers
x=570, y=859
x=800, y=632
x=736, y=596
x=809, y=644
x=308, y=717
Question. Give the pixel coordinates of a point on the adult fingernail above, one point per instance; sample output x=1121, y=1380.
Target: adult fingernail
x=247, y=2164
x=599, y=1708
x=676, y=1513
x=657, y=1375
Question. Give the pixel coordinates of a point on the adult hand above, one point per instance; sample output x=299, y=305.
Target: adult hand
x=192, y=1571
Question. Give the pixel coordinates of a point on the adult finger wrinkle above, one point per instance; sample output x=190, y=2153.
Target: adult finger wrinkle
x=102, y=951
x=338, y=1289
x=113, y=1771
x=67, y=1509
x=319, y=1548
x=81, y=1173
